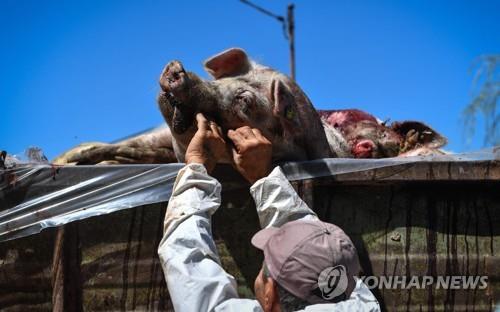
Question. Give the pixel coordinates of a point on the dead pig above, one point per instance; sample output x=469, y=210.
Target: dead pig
x=355, y=133
x=242, y=93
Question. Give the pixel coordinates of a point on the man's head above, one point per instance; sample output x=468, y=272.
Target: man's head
x=305, y=262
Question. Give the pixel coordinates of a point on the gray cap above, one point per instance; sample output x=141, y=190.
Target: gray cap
x=310, y=258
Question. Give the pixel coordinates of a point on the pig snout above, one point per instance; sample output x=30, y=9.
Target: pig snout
x=183, y=94
x=364, y=149
x=174, y=98
x=173, y=81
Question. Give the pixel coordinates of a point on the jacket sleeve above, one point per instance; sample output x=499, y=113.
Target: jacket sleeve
x=277, y=202
x=188, y=255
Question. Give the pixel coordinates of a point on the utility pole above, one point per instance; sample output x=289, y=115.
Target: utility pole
x=291, y=39
x=288, y=29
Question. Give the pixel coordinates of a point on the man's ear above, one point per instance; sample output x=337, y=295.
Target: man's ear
x=424, y=135
x=228, y=63
x=271, y=296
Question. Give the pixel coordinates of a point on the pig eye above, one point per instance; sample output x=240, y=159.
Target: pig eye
x=245, y=99
x=289, y=112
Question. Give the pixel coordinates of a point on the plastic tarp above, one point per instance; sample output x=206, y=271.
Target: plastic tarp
x=34, y=197
x=335, y=166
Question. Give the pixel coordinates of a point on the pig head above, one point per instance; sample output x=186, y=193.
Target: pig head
x=354, y=133
x=242, y=93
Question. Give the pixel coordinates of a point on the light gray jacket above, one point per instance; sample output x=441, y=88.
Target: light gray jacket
x=195, y=278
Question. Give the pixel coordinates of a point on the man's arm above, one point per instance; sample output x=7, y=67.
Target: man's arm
x=275, y=199
x=277, y=202
x=188, y=255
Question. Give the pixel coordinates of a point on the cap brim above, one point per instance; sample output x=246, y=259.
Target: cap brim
x=261, y=238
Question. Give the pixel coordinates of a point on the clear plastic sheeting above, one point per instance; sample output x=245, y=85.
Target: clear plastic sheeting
x=35, y=197
x=334, y=166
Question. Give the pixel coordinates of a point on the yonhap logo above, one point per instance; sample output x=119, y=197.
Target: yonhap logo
x=332, y=282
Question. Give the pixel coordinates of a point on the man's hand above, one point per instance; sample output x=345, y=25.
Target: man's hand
x=207, y=145
x=252, y=153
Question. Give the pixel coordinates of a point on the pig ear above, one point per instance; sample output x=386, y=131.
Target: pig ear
x=297, y=115
x=284, y=103
x=231, y=62
x=426, y=136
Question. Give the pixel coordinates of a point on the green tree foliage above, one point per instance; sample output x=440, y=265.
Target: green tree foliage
x=485, y=95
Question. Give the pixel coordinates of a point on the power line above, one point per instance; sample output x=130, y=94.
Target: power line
x=262, y=10
x=288, y=25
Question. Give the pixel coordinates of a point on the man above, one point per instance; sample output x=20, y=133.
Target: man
x=308, y=264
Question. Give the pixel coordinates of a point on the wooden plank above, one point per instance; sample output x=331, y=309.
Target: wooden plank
x=427, y=171
x=66, y=277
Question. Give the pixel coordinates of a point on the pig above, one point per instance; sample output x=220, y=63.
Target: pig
x=353, y=133
x=242, y=93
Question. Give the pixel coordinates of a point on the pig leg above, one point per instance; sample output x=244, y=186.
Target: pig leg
x=152, y=147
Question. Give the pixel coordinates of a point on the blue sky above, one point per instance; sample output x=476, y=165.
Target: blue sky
x=76, y=71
